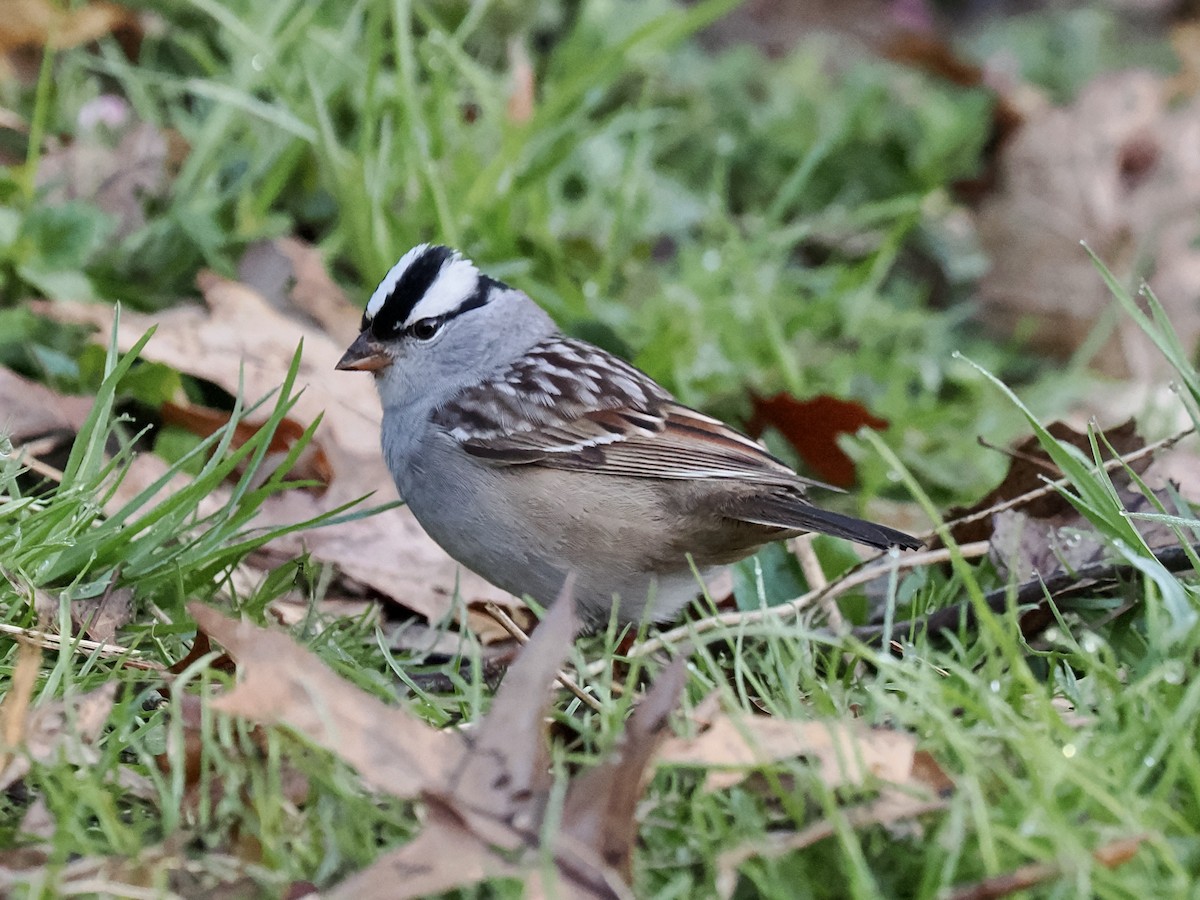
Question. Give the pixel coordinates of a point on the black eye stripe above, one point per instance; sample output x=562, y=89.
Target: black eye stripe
x=481, y=294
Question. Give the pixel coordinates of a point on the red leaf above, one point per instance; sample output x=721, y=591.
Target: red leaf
x=812, y=427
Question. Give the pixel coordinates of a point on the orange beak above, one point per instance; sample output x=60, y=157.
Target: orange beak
x=364, y=355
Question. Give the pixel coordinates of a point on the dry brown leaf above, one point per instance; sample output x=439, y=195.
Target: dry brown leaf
x=1028, y=470
x=845, y=753
x=166, y=870
x=282, y=683
x=68, y=727
x=485, y=792
x=445, y=855
x=311, y=465
x=505, y=775
x=238, y=332
x=29, y=410
x=117, y=176
x=914, y=784
x=291, y=276
x=46, y=23
x=1110, y=855
x=599, y=813
x=1118, y=168
x=890, y=808
x=97, y=617
x=521, y=94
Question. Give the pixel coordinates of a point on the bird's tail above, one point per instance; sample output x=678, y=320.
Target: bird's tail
x=795, y=513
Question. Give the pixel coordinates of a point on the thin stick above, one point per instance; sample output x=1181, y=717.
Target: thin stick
x=793, y=608
x=28, y=459
x=1051, y=486
x=802, y=549
x=1110, y=855
x=50, y=641
x=518, y=633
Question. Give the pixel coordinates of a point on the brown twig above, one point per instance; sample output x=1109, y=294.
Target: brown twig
x=50, y=641
x=1014, y=454
x=1034, y=591
x=794, y=608
x=810, y=565
x=1110, y=855
x=773, y=846
x=1051, y=486
x=27, y=457
x=518, y=633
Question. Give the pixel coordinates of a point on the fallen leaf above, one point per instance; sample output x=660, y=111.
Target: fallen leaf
x=505, y=775
x=69, y=727
x=186, y=757
x=844, y=754
x=32, y=410
x=599, y=812
x=812, y=428
x=1024, y=547
x=1110, y=855
x=1044, y=536
x=1119, y=168
x=912, y=782
x=45, y=23
x=445, y=855
x=169, y=869
x=280, y=682
x=891, y=808
x=312, y=464
x=484, y=791
x=291, y=276
x=1028, y=470
x=119, y=176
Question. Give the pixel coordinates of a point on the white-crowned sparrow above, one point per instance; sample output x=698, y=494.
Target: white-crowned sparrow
x=527, y=454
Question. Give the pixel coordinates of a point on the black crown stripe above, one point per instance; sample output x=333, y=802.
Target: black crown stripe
x=407, y=292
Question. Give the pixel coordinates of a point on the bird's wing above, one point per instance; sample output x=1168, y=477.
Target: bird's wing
x=570, y=405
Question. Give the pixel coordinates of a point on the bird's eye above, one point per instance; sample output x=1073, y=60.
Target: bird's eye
x=425, y=329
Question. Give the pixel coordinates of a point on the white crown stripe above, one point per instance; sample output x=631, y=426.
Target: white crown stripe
x=456, y=281
x=389, y=280
x=454, y=284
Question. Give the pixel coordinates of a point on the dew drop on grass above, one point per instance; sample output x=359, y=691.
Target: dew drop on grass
x=995, y=686
x=1069, y=751
x=1090, y=643
x=1149, y=761
x=256, y=62
x=1173, y=671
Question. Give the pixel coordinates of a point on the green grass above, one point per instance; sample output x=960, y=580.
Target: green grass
x=731, y=223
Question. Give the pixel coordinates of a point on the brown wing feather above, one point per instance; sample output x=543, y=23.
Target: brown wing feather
x=607, y=417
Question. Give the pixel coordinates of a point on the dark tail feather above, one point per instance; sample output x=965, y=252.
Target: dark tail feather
x=784, y=512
